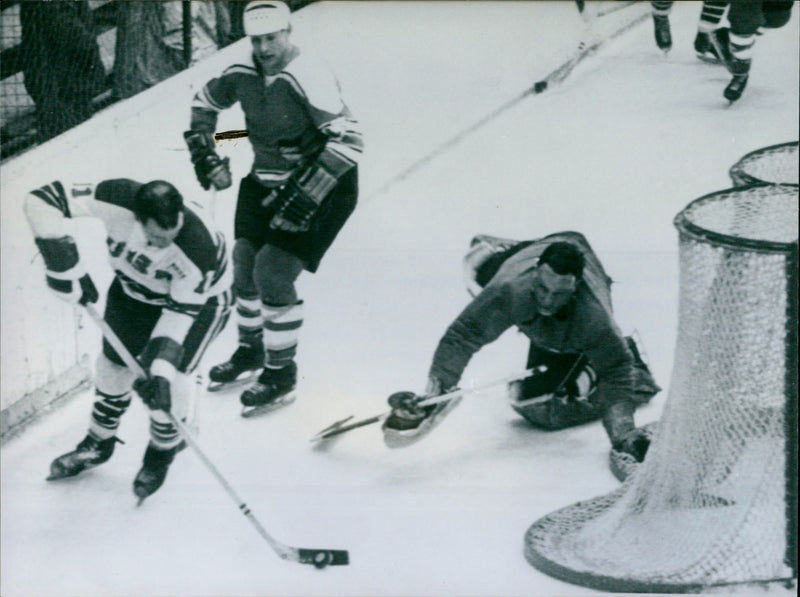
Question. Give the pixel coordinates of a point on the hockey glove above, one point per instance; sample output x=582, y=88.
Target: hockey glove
x=155, y=392
x=635, y=442
x=209, y=168
x=306, y=189
x=65, y=274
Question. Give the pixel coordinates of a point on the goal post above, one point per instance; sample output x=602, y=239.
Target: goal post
x=715, y=501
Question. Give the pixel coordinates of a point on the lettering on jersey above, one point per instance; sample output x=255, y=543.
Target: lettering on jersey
x=115, y=248
x=138, y=261
x=172, y=271
x=80, y=189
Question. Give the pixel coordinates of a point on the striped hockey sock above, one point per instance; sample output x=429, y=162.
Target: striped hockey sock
x=106, y=414
x=281, y=331
x=249, y=320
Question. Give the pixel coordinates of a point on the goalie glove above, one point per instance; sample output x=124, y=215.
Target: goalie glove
x=306, y=189
x=65, y=274
x=209, y=168
x=635, y=442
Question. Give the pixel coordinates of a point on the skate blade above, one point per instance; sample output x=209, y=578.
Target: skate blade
x=249, y=412
x=216, y=386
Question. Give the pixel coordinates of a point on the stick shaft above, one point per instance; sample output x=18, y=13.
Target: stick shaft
x=134, y=366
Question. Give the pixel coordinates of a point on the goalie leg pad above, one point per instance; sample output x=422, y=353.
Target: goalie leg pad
x=552, y=412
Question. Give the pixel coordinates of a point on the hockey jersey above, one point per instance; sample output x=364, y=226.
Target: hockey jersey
x=180, y=277
x=291, y=117
x=584, y=326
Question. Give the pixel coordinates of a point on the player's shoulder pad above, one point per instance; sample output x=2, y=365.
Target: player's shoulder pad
x=197, y=242
x=117, y=191
x=315, y=78
x=243, y=64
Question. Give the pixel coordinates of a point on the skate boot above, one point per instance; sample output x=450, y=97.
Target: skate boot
x=706, y=50
x=153, y=472
x=662, y=32
x=736, y=87
x=409, y=423
x=88, y=454
x=238, y=370
x=273, y=389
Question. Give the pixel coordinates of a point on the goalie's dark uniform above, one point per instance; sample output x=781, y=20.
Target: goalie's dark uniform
x=302, y=188
x=593, y=370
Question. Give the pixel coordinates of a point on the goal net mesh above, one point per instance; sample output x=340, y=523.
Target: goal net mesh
x=775, y=164
x=714, y=502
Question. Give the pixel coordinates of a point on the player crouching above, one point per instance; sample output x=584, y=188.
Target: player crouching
x=168, y=300
x=555, y=290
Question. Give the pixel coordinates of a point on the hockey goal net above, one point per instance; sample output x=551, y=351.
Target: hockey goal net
x=776, y=164
x=715, y=500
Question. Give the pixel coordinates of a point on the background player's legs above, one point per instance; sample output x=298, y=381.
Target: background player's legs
x=661, y=28
x=710, y=17
x=275, y=274
x=249, y=355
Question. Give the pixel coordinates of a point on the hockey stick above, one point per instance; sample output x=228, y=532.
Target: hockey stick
x=318, y=557
x=339, y=427
x=556, y=76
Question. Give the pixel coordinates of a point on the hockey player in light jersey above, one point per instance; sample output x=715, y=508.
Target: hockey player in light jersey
x=555, y=290
x=169, y=297
x=301, y=189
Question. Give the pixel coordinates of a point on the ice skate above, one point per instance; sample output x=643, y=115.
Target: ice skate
x=736, y=87
x=88, y=454
x=409, y=423
x=153, y=472
x=662, y=32
x=273, y=389
x=705, y=49
x=240, y=369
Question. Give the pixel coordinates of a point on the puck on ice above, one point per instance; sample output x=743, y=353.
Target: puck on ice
x=540, y=86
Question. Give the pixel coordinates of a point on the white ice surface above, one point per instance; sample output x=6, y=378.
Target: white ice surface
x=615, y=152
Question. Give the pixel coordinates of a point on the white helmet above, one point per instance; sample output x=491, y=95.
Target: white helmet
x=265, y=16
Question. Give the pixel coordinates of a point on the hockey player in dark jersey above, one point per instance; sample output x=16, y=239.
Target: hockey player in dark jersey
x=747, y=19
x=555, y=290
x=169, y=298
x=301, y=189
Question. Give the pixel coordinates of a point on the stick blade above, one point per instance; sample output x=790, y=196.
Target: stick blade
x=323, y=557
x=338, y=430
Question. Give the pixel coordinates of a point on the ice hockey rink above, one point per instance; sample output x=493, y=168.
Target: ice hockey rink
x=615, y=152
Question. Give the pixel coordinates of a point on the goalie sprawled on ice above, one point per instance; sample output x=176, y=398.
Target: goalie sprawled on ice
x=554, y=289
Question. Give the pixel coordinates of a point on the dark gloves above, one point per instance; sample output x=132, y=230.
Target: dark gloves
x=155, y=392
x=635, y=442
x=209, y=168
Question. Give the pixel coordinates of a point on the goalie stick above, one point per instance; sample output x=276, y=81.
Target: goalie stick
x=340, y=427
x=318, y=557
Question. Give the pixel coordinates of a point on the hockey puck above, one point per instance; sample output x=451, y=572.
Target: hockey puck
x=322, y=559
x=540, y=86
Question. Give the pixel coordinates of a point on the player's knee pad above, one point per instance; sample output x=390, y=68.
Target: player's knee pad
x=182, y=395
x=112, y=379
